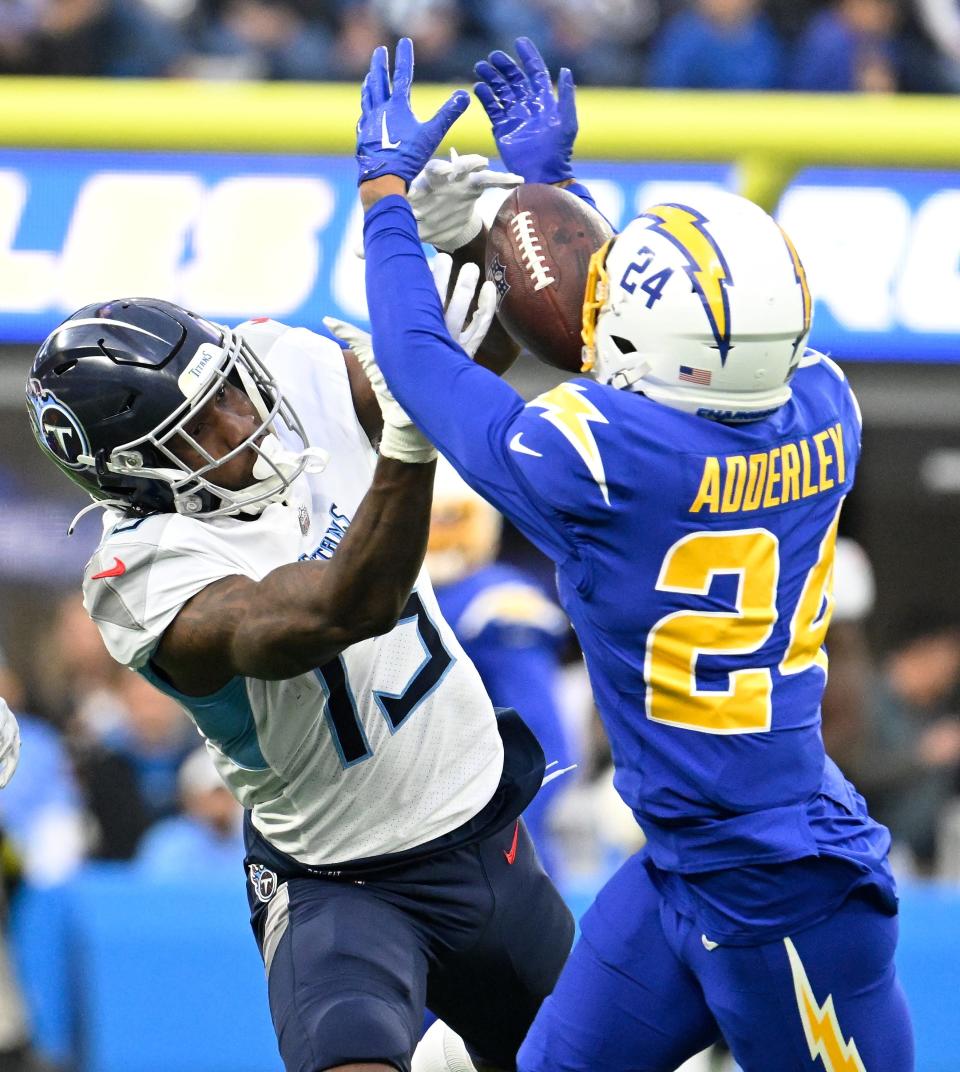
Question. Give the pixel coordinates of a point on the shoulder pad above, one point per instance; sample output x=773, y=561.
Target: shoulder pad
x=261, y=333
x=142, y=574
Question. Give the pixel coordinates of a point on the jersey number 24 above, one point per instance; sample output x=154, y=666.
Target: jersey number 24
x=678, y=639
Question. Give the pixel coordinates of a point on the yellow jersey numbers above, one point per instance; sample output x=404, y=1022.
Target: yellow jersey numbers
x=677, y=640
x=808, y=629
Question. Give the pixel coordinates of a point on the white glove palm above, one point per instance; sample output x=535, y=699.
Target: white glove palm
x=9, y=743
x=444, y=198
x=401, y=438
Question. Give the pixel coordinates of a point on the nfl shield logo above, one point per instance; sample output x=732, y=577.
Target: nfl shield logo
x=498, y=273
x=264, y=882
x=304, y=518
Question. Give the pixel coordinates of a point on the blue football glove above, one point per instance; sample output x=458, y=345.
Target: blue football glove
x=534, y=130
x=390, y=138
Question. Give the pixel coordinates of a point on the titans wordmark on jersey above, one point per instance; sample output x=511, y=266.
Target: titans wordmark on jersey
x=360, y=757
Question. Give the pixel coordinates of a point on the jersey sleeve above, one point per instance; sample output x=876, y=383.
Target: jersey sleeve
x=581, y=191
x=837, y=387
x=500, y=446
x=142, y=575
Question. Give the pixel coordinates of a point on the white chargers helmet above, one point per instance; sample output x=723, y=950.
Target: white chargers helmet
x=703, y=307
x=464, y=528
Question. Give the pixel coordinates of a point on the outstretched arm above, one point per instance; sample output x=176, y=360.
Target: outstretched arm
x=303, y=614
x=464, y=409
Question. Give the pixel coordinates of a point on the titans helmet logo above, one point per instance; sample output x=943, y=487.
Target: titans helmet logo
x=706, y=266
x=56, y=426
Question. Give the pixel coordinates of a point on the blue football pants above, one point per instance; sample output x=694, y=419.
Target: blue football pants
x=644, y=990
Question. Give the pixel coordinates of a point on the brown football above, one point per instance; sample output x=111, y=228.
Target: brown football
x=538, y=250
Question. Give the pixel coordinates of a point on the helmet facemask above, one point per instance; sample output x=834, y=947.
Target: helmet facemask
x=195, y=492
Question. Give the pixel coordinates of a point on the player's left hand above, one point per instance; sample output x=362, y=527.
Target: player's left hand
x=444, y=198
x=9, y=743
x=534, y=130
x=401, y=438
x=469, y=334
x=390, y=138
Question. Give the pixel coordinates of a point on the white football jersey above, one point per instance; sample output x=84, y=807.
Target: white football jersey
x=384, y=748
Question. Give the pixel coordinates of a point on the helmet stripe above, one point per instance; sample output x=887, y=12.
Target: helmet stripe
x=706, y=264
x=801, y=276
x=103, y=320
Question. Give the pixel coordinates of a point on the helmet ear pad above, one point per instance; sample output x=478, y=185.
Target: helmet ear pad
x=707, y=308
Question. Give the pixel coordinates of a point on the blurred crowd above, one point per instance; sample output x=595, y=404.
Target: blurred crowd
x=815, y=45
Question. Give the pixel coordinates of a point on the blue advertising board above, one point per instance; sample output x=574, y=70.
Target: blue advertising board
x=236, y=235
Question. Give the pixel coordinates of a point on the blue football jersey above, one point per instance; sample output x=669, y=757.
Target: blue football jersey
x=512, y=633
x=694, y=559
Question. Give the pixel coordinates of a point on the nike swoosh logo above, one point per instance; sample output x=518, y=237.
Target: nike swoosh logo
x=516, y=445
x=117, y=570
x=385, y=142
x=707, y=944
x=557, y=773
x=512, y=854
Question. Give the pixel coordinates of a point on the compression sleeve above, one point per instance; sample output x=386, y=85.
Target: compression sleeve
x=581, y=191
x=578, y=189
x=464, y=409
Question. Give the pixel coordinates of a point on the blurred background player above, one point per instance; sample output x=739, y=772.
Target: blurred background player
x=845, y=704
x=512, y=632
x=700, y=595
x=907, y=761
x=206, y=837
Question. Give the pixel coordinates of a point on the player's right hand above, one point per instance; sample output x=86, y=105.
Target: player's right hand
x=534, y=130
x=444, y=198
x=9, y=743
x=390, y=138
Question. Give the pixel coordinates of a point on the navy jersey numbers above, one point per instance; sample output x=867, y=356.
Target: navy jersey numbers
x=343, y=718
x=653, y=284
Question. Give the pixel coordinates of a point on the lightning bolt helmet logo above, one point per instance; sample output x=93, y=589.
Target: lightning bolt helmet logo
x=706, y=265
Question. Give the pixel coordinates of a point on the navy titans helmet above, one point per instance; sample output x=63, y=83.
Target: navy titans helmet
x=113, y=385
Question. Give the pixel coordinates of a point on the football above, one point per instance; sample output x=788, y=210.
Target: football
x=538, y=250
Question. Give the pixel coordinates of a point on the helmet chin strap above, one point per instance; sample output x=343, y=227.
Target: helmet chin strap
x=99, y=504
x=627, y=379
